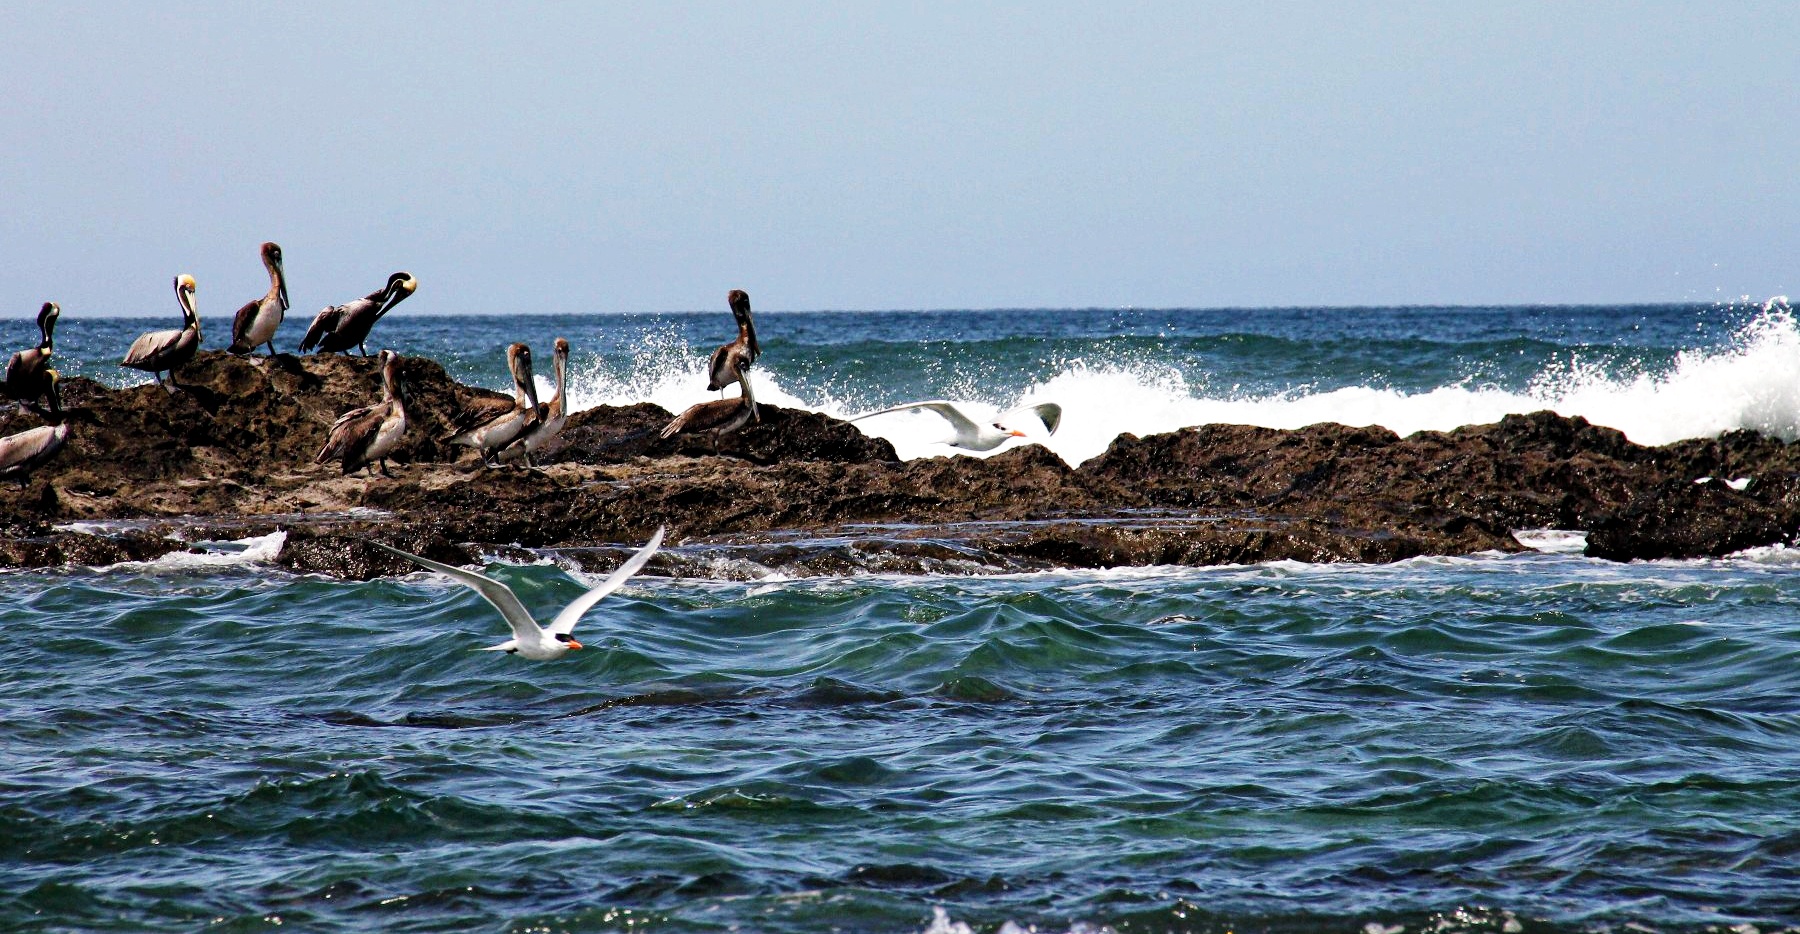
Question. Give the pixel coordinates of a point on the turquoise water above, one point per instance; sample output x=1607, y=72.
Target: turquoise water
x=1529, y=742
x=1541, y=739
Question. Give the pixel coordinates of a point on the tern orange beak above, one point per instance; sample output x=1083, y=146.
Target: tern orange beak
x=572, y=644
x=1016, y=434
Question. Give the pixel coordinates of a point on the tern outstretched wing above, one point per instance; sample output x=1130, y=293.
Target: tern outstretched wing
x=564, y=623
x=501, y=596
x=1047, y=412
x=960, y=422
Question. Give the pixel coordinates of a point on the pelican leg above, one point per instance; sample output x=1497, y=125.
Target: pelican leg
x=359, y=346
x=271, y=346
x=384, y=469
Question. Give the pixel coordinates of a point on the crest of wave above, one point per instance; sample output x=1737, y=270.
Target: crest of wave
x=663, y=369
x=1752, y=382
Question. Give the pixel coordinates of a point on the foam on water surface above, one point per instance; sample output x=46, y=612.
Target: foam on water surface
x=1750, y=382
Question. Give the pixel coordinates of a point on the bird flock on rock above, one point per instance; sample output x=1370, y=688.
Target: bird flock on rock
x=499, y=430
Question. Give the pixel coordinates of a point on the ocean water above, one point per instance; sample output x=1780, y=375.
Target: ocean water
x=1536, y=742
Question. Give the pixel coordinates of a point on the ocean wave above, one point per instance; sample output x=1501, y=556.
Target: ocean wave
x=1749, y=382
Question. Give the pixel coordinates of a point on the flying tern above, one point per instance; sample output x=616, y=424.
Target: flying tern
x=538, y=643
x=973, y=436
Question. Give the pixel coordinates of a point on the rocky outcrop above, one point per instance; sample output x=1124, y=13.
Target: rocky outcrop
x=232, y=456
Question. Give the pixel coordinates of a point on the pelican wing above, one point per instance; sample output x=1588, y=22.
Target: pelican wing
x=18, y=369
x=718, y=415
x=27, y=449
x=1047, y=412
x=479, y=412
x=240, y=324
x=951, y=413
x=151, y=347
x=325, y=322
x=564, y=623
x=679, y=422
x=501, y=596
x=353, y=429
x=727, y=365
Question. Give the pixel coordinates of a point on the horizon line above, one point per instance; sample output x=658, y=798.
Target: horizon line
x=1417, y=306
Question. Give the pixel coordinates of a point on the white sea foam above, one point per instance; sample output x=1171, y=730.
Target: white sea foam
x=257, y=549
x=1752, y=382
x=1553, y=541
x=941, y=923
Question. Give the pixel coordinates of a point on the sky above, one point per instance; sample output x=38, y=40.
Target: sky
x=579, y=157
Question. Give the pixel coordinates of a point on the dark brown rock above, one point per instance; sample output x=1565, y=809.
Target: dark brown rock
x=350, y=556
x=611, y=435
x=232, y=455
x=58, y=549
x=1683, y=519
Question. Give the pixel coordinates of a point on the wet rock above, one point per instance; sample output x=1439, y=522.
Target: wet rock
x=349, y=555
x=58, y=549
x=611, y=435
x=1683, y=519
x=806, y=494
x=1526, y=471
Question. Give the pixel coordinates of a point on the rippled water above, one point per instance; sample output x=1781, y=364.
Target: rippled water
x=1541, y=741
x=1504, y=743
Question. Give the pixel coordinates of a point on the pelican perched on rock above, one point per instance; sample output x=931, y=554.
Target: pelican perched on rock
x=341, y=327
x=971, y=436
x=719, y=417
x=731, y=360
x=255, y=323
x=24, y=452
x=157, y=351
x=550, y=418
x=538, y=643
x=367, y=435
x=487, y=425
x=28, y=373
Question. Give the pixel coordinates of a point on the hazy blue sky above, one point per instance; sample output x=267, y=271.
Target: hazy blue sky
x=573, y=157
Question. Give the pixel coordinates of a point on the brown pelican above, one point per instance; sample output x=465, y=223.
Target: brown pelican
x=22, y=453
x=550, y=417
x=28, y=374
x=367, y=435
x=538, y=643
x=165, y=350
x=488, y=425
x=731, y=360
x=341, y=327
x=255, y=323
x=974, y=437
x=719, y=417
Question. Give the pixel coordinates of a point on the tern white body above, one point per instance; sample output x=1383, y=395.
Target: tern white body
x=538, y=643
x=970, y=435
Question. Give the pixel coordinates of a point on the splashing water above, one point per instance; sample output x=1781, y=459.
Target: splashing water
x=1749, y=382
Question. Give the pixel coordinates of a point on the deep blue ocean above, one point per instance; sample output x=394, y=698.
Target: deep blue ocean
x=1507, y=743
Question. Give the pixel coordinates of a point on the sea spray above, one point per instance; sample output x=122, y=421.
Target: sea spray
x=1748, y=381
x=1658, y=373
